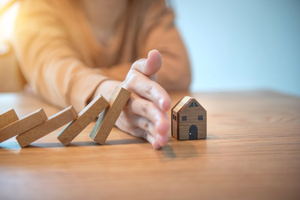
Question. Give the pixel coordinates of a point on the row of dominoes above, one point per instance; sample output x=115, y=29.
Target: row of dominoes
x=36, y=125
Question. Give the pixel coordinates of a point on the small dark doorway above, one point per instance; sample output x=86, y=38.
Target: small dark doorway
x=193, y=133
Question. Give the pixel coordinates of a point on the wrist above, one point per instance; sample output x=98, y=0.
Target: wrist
x=106, y=88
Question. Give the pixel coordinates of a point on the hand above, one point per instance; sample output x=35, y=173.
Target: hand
x=145, y=113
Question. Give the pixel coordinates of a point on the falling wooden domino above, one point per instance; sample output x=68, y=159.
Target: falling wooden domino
x=85, y=117
x=109, y=116
x=53, y=123
x=8, y=118
x=23, y=125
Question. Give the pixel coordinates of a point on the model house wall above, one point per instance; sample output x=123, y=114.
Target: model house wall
x=188, y=120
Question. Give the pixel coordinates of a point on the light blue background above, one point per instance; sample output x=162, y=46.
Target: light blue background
x=242, y=44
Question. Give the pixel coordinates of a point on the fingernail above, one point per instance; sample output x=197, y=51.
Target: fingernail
x=161, y=102
x=156, y=145
x=148, y=54
x=162, y=140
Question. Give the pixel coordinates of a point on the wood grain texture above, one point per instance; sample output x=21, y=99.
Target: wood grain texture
x=192, y=119
x=22, y=125
x=252, y=151
x=174, y=116
x=85, y=117
x=54, y=122
x=108, y=118
x=185, y=120
x=8, y=117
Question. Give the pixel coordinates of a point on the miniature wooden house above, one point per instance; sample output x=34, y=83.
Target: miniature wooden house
x=188, y=120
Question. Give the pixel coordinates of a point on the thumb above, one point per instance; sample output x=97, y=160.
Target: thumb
x=149, y=66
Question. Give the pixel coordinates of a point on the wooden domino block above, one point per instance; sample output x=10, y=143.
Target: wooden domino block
x=22, y=125
x=53, y=123
x=85, y=117
x=109, y=116
x=8, y=118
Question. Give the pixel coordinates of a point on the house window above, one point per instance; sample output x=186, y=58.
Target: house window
x=174, y=117
x=196, y=105
x=192, y=104
x=200, y=117
x=184, y=118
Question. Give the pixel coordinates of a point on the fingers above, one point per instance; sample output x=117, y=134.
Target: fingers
x=145, y=114
x=149, y=66
x=141, y=79
x=149, y=111
x=145, y=124
x=150, y=119
x=127, y=125
x=148, y=89
x=147, y=136
x=139, y=126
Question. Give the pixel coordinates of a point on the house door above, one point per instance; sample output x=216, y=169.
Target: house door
x=193, y=133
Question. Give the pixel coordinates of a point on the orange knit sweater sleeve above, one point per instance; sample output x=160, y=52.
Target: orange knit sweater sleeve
x=52, y=66
x=60, y=58
x=159, y=32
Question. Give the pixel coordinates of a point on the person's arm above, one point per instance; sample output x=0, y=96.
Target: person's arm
x=156, y=30
x=51, y=65
x=145, y=114
x=159, y=32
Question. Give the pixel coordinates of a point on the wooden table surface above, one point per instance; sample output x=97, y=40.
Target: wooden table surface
x=252, y=152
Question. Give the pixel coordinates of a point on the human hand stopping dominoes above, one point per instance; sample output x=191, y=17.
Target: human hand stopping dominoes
x=145, y=112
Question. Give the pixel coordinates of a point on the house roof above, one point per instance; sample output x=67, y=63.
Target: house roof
x=184, y=102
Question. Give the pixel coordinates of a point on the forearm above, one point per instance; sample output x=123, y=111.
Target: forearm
x=52, y=66
x=117, y=72
x=175, y=73
x=159, y=32
x=105, y=89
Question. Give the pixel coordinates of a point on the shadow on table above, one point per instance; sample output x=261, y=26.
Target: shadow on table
x=108, y=142
x=86, y=143
x=184, y=149
x=15, y=146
